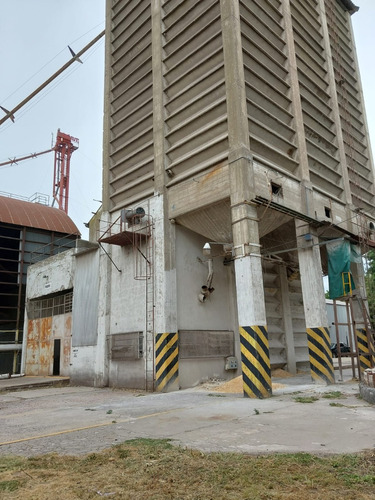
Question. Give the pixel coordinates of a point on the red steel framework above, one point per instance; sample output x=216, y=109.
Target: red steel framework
x=64, y=147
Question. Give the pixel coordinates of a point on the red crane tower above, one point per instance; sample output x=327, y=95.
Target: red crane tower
x=64, y=147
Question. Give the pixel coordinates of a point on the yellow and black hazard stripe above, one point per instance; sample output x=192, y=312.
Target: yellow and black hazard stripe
x=320, y=355
x=255, y=357
x=363, y=349
x=166, y=354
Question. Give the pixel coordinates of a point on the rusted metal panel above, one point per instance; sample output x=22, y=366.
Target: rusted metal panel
x=23, y=213
x=40, y=344
x=62, y=329
x=39, y=348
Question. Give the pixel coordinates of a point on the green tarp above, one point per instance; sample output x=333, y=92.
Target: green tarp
x=340, y=255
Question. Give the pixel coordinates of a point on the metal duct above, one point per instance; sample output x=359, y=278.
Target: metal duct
x=10, y=347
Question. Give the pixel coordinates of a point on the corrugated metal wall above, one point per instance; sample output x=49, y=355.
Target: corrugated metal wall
x=86, y=295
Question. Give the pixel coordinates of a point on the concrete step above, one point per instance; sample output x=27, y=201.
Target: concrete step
x=31, y=382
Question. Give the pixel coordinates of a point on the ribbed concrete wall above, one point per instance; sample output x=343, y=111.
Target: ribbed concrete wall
x=314, y=86
x=194, y=85
x=292, y=120
x=268, y=93
x=131, y=137
x=353, y=123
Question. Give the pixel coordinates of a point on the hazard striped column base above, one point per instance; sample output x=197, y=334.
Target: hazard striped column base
x=255, y=360
x=363, y=350
x=320, y=355
x=166, y=361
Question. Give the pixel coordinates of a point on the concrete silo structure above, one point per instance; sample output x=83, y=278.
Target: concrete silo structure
x=239, y=124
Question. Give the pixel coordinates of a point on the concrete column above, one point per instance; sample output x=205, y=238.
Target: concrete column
x=166, y=334
x=362, y=332
x=358, y=274
x=287, y=321
x=104, y=315
x=107, y=110
x=317, y=327
x=255, y=359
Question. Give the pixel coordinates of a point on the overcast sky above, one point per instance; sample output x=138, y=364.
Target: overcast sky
x=33, y=45
x=34, y=39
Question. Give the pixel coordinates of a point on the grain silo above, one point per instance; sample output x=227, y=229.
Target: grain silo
x=235, y=149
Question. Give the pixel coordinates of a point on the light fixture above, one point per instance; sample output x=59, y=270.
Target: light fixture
x=207, y=250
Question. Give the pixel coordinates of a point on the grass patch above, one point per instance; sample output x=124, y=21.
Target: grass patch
x=11, y=485
x=306, y=399
x=338, y=405
x=334, y=395
x=154, y=469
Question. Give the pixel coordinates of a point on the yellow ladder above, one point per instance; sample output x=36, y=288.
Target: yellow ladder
x=346, y=280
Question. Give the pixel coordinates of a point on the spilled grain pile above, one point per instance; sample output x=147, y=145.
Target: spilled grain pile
x=235, y=386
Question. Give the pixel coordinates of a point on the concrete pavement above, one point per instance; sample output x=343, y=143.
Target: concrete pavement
x=79, y=420
x=30, y=382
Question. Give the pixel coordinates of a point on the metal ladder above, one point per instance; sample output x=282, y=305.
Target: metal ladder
x=351, y=337
x=357, y=318
x=143, y=251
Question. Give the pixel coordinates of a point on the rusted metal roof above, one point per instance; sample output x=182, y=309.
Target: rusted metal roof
x=24, y=213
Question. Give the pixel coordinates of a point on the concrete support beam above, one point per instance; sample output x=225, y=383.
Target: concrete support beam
x=314, y=304
x=255, y=358
x=287, y=321
x=165, y=313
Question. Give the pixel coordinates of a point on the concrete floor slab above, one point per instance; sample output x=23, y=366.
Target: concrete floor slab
x=79, y=420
